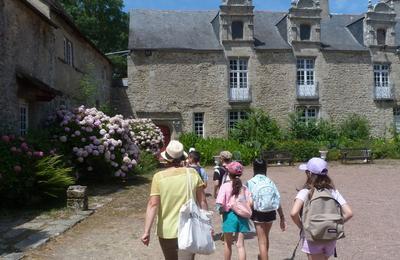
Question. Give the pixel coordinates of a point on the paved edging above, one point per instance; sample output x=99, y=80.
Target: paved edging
x=54, y=229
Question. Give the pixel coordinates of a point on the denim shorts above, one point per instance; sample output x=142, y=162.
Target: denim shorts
x=233, y=223
x=314, y=248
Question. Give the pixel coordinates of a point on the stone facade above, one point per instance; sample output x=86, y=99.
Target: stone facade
x=171, y=84
x=34, y=71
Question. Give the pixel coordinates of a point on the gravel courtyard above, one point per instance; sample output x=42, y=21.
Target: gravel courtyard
x=373, y=191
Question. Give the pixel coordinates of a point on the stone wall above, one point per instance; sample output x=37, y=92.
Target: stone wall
x=35, y=45
x=27, y=44
x=188, y=82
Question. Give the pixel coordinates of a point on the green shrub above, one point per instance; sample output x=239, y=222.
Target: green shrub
x=258, y=130
x=302, y=150
x=147, y=164
x=29, y=176
x=333, y=154
x=318, y=130
x=189, y=140
x=52, y=177
x=354, y=127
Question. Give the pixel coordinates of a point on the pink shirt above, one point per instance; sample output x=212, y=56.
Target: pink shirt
x=225, y=193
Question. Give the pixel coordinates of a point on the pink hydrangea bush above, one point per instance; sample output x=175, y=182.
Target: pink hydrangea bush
x=18, y=177
x=149, y=137
x=102, y=144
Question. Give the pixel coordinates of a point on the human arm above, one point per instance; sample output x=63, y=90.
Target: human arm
x=216, y=188
x=201, y=198
x=347, y=212
x=283, y=224
x=295, y=212
x=151, y=211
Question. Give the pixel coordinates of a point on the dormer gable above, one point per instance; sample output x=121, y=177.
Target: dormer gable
x=304, y=21
x=379, y=25
x=236, y=22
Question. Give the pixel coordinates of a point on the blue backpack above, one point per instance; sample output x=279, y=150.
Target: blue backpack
x=265, y=195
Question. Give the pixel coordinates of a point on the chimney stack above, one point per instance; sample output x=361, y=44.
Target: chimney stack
x=324, y=4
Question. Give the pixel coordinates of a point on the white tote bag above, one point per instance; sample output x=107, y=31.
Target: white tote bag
x=194, y=230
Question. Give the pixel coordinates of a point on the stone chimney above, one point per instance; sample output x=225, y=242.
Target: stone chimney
x=324, y=5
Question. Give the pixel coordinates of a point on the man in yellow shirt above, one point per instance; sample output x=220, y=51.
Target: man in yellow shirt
x=169, y=192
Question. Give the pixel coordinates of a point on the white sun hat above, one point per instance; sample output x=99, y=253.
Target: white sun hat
x=174, y=151
x=316, y=166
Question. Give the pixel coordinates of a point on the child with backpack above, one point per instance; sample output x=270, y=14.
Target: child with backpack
x=194, y=162
x=266, y=201
x=220, y=173
x=319, y=211
x=234, y=203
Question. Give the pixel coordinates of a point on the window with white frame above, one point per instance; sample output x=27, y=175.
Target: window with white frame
x=235, y=116
x=23, y=118
x=198, y=124
x=305, y=72
x=238, y=73
x=381, y=75
x=68, y=52
x=396, y=115
x=308, y=114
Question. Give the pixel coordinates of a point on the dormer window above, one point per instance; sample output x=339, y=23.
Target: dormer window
x=305, y=32
x=381, y=36
x=237, y=30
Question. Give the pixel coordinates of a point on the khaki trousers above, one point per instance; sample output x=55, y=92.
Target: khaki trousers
x=171, y=251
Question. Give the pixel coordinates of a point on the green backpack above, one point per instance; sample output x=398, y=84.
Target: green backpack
x=322, y=217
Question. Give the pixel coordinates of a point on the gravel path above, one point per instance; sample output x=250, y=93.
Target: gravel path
x=113, y=232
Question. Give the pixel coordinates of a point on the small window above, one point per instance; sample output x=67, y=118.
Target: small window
x=235, y=116
x=305, y=32
x=381, y=36
x=23, y=118
x=237, y=30
x=396, y=115
x=198, y=124
x=308, y=114
x=68, y=52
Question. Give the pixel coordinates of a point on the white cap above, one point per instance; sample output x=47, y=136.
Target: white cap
x=315, y=166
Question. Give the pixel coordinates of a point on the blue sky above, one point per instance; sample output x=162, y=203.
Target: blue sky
x=337, y=6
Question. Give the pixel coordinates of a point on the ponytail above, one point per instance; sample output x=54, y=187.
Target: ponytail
x=236, y=185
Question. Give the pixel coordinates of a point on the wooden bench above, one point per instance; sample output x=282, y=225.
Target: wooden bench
x=351, y=154
x=278, y=157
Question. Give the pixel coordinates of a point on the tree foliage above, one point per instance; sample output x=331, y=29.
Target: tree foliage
x=102, y=21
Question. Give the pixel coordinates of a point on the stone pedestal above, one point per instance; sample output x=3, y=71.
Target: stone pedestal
x=77, y=198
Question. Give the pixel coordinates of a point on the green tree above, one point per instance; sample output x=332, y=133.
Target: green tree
x=103, y=21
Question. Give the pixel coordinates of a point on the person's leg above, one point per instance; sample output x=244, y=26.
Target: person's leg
x=240, y=246
x=262, y=230
x=228, y=238
x=184, y=255
x=169, y=248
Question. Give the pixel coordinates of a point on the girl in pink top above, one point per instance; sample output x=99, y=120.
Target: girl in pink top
x=232, y=222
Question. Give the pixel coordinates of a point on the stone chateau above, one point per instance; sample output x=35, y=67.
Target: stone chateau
x=202, y=70
x=44, y=59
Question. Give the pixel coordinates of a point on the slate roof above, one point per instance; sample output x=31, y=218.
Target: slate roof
x=192, y=30
x=335, y=34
